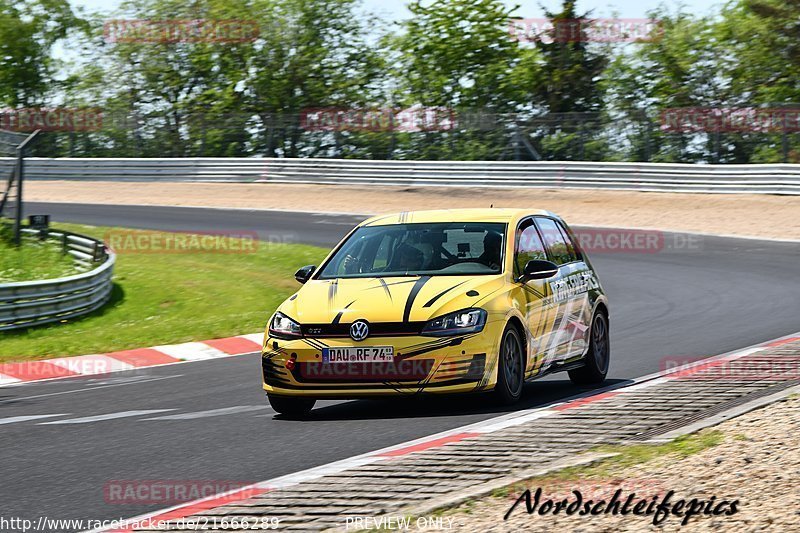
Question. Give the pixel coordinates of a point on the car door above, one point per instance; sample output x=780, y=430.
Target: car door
x=569, y=290
x=539, y=310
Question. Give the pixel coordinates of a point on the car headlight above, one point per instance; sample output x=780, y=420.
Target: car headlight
x=458, y=323
x=284, y=327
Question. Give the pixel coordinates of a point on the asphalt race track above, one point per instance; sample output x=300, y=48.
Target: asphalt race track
x=698, y=296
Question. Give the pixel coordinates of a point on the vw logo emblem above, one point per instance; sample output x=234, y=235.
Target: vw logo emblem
x=359, y=330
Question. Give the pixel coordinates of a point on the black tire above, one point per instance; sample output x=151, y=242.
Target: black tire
x=510, y=367
x=291, y=406
x=598, y=357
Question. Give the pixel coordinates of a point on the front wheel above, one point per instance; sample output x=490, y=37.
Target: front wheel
x=291, y=406
x=597, y=358
x=510, y=367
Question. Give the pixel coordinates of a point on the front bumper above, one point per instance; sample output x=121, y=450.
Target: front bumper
x=465, y=363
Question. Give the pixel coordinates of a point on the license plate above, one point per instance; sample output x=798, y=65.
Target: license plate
x=367, y=354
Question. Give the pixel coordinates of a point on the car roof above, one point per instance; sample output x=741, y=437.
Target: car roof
x=486, y=214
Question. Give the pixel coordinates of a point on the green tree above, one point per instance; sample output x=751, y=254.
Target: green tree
x=186, y=97
x=569, y=88
x=679, y=68
x=571, y=66
x=315, y=54
x=28, y=31
x=762, y=40
x=457, y=55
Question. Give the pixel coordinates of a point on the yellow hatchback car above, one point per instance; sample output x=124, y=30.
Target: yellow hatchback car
x=449, y=301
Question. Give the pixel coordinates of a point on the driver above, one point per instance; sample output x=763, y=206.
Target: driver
x=491, y=255
x=407, y=258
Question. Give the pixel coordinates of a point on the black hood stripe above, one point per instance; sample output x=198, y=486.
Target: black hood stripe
x=433, y=300
x=413, y=296
x=444, y=343
x=386, y=288
x=332, y=290
x=314, y=343
x=339, y=315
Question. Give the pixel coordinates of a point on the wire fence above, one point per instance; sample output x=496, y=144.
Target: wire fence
x=690, y=135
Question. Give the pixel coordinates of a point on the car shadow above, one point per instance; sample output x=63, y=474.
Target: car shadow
x=535, y=394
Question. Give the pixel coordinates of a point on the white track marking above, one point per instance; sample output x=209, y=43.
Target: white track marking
x=8, y=380
x=257, y=338
x=108, y=416
x=89, y=389
x=91, y=364
x=212, y=412
x=15, y=419
x=191, y=351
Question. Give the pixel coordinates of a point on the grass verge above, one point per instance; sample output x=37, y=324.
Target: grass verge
x=33, y=260
x=165, y=298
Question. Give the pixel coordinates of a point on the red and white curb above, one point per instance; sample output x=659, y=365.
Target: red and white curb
x=151, y=520
x=95, y=364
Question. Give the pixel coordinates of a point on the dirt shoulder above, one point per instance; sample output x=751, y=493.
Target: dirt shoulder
x=766, y=216
x=754, y=459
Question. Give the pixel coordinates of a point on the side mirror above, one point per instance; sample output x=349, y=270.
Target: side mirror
x=304, y=274
x=538, y=269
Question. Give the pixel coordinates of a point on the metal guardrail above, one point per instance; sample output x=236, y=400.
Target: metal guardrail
x=667, y=177
x=31, y=303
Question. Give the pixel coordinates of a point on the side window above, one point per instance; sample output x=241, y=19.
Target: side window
x=529, y=246
x=554, y=240
x=573, y=252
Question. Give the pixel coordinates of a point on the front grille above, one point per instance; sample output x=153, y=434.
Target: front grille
x=377, y=329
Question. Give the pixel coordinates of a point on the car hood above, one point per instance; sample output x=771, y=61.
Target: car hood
x=391, y=299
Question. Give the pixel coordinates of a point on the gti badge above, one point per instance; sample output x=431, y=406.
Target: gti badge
x=359, y=330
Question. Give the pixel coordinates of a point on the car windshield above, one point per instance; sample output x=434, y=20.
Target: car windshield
x=446, y=248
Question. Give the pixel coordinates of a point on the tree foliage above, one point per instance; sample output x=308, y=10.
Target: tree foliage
x=548, y=99
x=28, y=31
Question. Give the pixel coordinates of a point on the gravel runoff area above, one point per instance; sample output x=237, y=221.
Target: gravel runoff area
x=757, y=462
x=754, y=215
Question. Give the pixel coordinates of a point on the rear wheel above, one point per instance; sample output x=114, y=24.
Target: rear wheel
x=291, y=406
x=510, y=367
x=598, y=356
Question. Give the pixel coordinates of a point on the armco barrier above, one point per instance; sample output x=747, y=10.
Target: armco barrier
x=31, y=303
x=667, y=177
